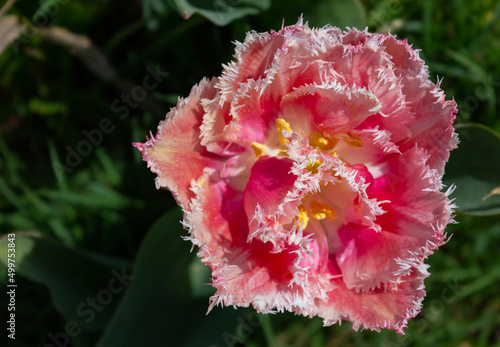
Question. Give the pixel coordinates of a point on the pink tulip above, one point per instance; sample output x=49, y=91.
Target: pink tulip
x=310, y=173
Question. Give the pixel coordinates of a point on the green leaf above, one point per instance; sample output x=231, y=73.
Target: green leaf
x=159, y=307
x=222, y=327
x=83, y=290
x=46, y=107
x=161, y=284
x=54, y=158
x=221, y=12
x=199, y=277
x=46, y=10
x=151, y=7
x=97, y=196
x=475, y=169
x=340, y=13
x=110, y=169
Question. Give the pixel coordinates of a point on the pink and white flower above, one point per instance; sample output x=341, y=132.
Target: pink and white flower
x=310, y=173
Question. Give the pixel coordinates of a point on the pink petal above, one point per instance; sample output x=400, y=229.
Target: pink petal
x=411, y=227
x=216, y=219
x=252, y=114
x=244, y=273
x=269, y=183
x=434, y=117
x=388, y=307
x=256, y=275
x=252, y=59
x=405, y=58
x=216, y=118
x=367, y=258
x=175, y=153
x=418, y=207
x=334, y=109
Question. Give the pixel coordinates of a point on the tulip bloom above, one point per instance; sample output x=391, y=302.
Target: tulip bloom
x=310, y=173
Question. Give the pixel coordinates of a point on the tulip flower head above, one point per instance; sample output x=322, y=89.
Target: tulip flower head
x=310, y=174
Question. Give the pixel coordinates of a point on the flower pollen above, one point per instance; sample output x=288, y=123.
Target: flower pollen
x=282, y=124
x=302, y=217
x=321, y=142
x=321, y=211
x=259, y=149
x=313, y=167
x=352, y=140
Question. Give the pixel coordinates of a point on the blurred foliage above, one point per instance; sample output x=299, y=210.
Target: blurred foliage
x=84, y=189
x=478, y=189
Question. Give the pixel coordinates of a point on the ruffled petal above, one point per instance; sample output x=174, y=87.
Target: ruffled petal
x=389, y=307
x=334, y=108
x=268, y=186
x=410, y=229
x=175, y=153
x=255, y=275
x=253, y=112
x=244, y=273
x=369, y=259
x=434, y=117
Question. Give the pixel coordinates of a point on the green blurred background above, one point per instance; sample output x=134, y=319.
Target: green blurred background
x=82, y=211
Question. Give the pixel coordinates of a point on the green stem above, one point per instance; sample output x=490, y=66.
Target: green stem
x=267, y=329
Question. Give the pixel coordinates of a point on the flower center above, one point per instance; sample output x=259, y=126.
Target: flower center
x=321, y=142
x=302, y=217
x=272, y=146
x=317, y=211
x=317, y=206
x=321, y=211
x=282, y=124
x=259, y=149
x=313, y=167
x=351, y=140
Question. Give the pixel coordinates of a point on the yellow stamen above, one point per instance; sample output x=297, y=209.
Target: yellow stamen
x=314, y=167
x=353, y=141
x=321, y=211
x=282, y=124
x=259, y=149
x=302, y=217
x=321, y=142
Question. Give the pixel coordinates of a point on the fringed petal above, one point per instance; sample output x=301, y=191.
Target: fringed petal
x=334, y=108
x=269, y=183
x=389, y=307
x=175, y=153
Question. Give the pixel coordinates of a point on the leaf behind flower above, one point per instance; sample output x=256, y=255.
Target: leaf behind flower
x=164, y=304
x=475, y=169
x=71, y=276
x=340, y=13
x=221, y=12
